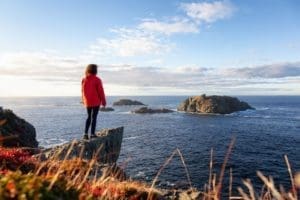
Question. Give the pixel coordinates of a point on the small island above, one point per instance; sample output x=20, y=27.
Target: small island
x=127, y=102
x=146, y=110
x=106, y=109
x=213, y=104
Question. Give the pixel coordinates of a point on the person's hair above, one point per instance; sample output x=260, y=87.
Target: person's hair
x=91, y=69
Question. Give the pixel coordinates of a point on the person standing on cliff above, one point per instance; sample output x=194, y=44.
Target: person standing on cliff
x=93, y=97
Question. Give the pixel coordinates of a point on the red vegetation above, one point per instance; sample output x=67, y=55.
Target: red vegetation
x=103, y=190
x=13, y=158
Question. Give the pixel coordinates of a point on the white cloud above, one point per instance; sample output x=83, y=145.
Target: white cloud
x=128, y=43
x=208, y=11
x=39, y=71
x=190, y=21
x=150, y=36
x=271, y=71
x=40, y=65
x=191, y=69
x=53, y=67
x=171, y=27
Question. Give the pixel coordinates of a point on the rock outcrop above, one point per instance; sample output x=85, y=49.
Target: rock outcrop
x=15, y=131
x=127, y=102
x=106, y=109
x=106, y=147
x=213, y=104
x=146, y=110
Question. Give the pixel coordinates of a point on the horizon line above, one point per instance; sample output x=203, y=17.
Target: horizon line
x=241, y=95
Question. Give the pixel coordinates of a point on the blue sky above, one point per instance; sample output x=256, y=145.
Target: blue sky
x=151, y=47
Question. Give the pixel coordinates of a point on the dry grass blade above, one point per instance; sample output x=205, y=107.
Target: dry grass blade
x=163, y=167
x=77, y=177
x=42, y=165
x=53, y=160
x=297, y=180
x=185, y=168
x=248, y=184
x=159, y=172
x=91, y=164
x=95, y=177
x=230, y=183
x=97, y=152
x=294, y=191
x=235, y=198
x=219, y=186
x=76, y=163
x=210, y=169
x=243, y=194
x=270, y=185
x=55, y=177
x=262, y=192
x=214, y=186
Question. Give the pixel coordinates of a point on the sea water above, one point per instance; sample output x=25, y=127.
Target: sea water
x=262, y=136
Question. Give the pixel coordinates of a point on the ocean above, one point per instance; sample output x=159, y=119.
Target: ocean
x=262, y=136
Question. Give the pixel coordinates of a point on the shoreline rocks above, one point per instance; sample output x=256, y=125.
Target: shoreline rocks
x=147, y=110
x=127, y=102
x=213, y=104
x=106, y=147
x=16, y=132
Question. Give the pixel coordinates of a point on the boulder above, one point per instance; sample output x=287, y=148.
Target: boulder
x=15, y=131
x=213, y=104
x=106, y=109
x=128, y=102
x=106, y=147
x=146, y=110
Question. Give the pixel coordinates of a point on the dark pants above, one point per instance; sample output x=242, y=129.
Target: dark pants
x=92, y=117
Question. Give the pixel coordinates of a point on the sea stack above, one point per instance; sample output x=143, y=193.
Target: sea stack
x=213, y=104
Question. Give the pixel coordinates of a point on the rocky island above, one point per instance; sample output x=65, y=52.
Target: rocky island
x=213, y=104
x=127, y=102
x=106, y=109
x=147, y=110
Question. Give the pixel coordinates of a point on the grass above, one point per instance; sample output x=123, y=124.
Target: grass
x=81, y=179
x=65, y=179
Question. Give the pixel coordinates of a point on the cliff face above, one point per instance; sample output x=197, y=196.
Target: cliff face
x=15, y=131
x=213, y=104
x=106, y=147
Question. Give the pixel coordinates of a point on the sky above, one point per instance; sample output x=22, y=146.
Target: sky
x=157, y=47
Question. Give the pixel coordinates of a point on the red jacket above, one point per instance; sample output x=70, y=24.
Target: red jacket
x=92, y=91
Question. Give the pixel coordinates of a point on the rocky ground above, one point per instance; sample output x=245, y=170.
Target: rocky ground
x=105, y=148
